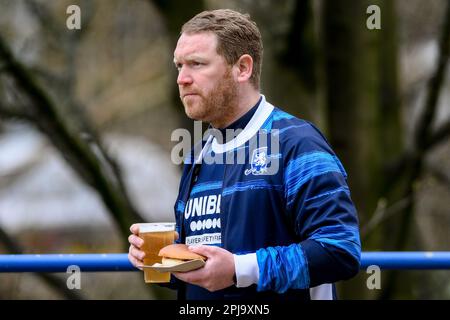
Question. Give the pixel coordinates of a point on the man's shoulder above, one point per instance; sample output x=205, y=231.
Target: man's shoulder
x=294, y=131
x=282, y=120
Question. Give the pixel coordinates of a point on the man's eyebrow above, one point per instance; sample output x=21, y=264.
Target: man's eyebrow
x=189, y=59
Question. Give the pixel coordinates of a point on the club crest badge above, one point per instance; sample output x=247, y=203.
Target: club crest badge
x=259, y=162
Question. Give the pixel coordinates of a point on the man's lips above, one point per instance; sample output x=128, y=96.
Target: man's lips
x=189, y=94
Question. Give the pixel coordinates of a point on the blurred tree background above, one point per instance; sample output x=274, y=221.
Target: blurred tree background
x=86, y=118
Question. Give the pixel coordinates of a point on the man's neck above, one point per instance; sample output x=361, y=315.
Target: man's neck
x=244, y=103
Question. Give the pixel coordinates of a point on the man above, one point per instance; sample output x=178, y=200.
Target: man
x=277, y=224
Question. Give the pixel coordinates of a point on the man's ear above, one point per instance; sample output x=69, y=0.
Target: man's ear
x=244, y=68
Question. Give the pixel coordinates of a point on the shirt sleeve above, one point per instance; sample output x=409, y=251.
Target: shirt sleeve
x=247, y=270
x=318, y=203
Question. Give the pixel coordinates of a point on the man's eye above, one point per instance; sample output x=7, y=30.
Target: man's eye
x=196, y=64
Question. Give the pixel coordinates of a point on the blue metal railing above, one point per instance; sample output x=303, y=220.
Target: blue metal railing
x=119, y=261
x=60, y=262
x=410, y=260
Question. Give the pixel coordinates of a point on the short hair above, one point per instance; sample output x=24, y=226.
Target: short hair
x=237, y=35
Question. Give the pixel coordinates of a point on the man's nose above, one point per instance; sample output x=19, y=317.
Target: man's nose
x=184, y=78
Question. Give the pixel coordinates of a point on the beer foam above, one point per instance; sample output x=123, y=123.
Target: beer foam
x=156, y=227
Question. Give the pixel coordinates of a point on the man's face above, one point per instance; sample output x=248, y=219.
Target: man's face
x=205, y=81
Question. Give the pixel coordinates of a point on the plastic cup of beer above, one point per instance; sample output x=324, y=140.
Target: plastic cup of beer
x=155, y=236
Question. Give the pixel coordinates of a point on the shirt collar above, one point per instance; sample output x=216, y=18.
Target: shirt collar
x=242, y=121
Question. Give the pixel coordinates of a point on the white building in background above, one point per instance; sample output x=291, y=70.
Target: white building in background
x=39, y=190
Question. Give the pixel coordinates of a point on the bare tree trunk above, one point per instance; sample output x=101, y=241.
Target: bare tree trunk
x=290, y=74
x=352, y=95
x=362, y=105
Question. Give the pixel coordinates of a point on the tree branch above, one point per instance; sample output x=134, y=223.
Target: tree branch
x=423, y=137
x=395, y=168
x=9, y=113
x=414, y=164
x=423, y=133
x=442, y=133
x=76, y=152
x=423, y=130
x=440, y=175
x=382, y=213
x=46, y=20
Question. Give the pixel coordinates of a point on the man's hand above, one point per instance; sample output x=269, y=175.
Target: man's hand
x=218, y=270
x=135, y=254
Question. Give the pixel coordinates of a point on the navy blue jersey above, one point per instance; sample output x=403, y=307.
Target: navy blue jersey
x=277, y=190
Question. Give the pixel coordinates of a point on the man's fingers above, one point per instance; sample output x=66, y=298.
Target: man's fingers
x=206, y=251
x=135, y=262
x=135, y=240
x=135, y=228
x=179, y=275
x=136, y=253
x=132, y=252
x=191, y=276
